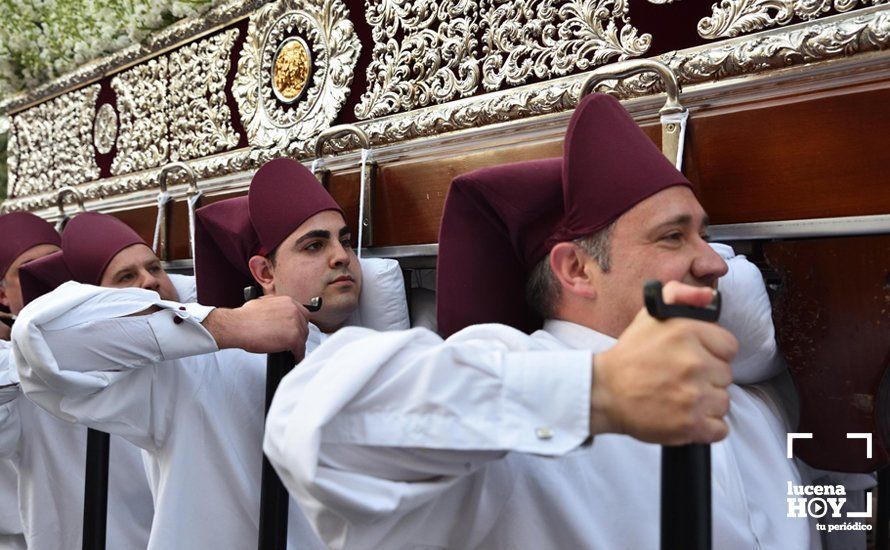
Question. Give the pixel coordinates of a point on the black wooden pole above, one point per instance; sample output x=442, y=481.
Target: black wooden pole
x=273, y=495
x=685, y=469
x=95, y=495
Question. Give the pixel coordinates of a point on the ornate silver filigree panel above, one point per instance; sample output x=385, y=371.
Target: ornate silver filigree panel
x=142, y=104
x=105, y=129
x=424, y=53
x=325, y=28
x=199, y=116
x=839, y=37
x=550, y=38
x=50, y=145
x=734, y=17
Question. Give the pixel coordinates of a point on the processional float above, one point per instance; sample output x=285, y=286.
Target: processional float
x=786, y=143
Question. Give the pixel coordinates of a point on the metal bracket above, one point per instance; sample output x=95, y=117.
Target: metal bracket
x=368, y=176
x=60, y=202
x=161, y=233
x=673, y=114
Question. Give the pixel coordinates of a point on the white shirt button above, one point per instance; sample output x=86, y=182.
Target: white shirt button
x=544, y=432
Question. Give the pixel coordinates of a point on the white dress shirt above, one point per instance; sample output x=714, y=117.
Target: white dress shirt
x=401, y=440
x=10, y=521
x=50, y=456
x=159, y=381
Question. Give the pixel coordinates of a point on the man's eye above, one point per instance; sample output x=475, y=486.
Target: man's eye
x=154, y=269
x=706, y=237
x=126, y=278
x=675, y=236
x=346, y=242
x=313, y=246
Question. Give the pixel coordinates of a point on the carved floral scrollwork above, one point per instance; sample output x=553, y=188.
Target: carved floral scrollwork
x=325, y=28
x=424, y=54
x=199, y=115
x=50, y=145
x=734, y=17
x=142, y=105
x=549, y=38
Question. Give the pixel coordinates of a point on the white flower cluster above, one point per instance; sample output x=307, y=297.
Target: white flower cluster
x=42, y=39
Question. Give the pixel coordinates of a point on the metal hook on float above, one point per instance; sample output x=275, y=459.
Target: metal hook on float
x=60, y=202
x=161, y=241
x=368, y=177
x=673, y=114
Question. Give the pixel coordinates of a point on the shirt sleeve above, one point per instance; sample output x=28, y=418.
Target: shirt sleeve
x=373, y=426
x=10, y=427
x=98, y=357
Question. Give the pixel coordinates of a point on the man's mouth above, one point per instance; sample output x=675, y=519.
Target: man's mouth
x=343, y=279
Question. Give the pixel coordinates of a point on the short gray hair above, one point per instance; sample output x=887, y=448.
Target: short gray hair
x=542, y=290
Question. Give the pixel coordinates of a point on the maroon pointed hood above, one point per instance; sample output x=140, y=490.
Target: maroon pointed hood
x=91, y=240
x=21, y=231
x=499, y=222
x=43, y=275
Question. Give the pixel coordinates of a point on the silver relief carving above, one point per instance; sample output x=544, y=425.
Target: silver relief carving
x=325, y=28
x=105, y=129
x=50, y=144
x=424, y=54
x=142, y=105
x=735, y=17
x=758, y=54
x=840, y=37
x=198, y=114
x=551, y=38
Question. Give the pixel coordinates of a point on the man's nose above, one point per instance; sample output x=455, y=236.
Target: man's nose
x=708, y=265
x=150, y=282
x=340, y=256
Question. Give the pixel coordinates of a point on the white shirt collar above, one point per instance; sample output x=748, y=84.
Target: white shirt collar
x=578, y=336
x=314, y=339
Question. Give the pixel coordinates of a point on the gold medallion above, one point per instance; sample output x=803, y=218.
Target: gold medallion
x=290, y=70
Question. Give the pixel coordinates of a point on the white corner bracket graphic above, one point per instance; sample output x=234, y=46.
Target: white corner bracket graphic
x=789, y=445
x=867, y=437
x=867, y=512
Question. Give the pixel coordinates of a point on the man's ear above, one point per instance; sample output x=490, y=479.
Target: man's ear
x=569, y=265
x=4, y=299
x=263, y=273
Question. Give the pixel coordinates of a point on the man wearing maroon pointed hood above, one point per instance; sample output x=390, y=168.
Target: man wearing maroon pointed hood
x=177, y=378
x=494, y=438
x=23, y=237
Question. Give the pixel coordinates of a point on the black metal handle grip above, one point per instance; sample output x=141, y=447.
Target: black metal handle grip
x=654, y=301
x=685, y=469
x=273, y=495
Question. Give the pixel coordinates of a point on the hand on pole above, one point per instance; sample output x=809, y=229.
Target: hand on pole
x=666, y=381
x=269, y=324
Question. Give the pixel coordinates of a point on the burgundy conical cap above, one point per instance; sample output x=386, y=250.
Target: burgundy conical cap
x=43, y=275
x=21, y=231
x=499, y=222
x=284, y=194
x=494, y=228
x=91, y=240
x=224, y=242
x=609, y=165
